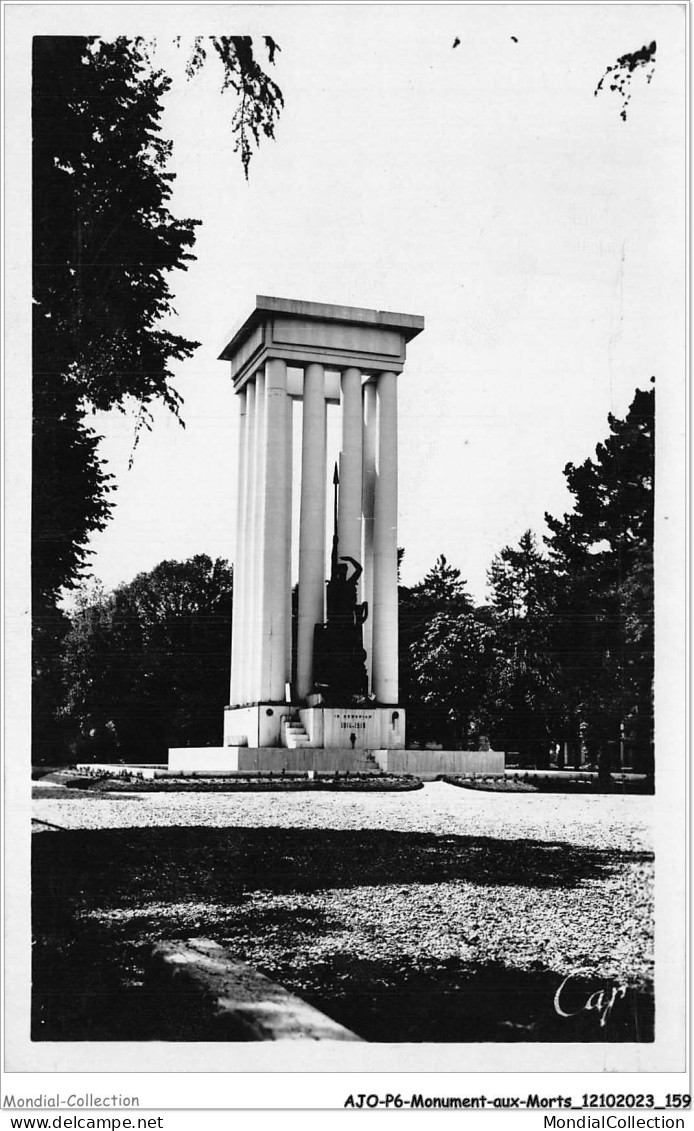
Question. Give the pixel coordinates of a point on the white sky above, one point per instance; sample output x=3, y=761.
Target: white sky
x=484, y=187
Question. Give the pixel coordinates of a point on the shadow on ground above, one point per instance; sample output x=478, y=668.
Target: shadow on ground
x=94, y=991
x=88, y=972
x=119, y=867
x=461, y=1002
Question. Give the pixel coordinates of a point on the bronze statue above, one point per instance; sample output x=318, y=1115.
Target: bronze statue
x=342, y=595
x=339, y=656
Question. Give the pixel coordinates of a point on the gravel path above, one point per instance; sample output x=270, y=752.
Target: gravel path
x=386, y=910
x=616, y=822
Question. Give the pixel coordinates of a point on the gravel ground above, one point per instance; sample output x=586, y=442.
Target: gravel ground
x=378, y=907
x=607, y=821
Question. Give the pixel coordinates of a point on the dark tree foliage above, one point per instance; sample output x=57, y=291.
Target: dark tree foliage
x=104, y=242
x=450, y=662
x=441, y=590
x=259, y=97
x=563, y=654
x=520, y=581
x=619, y=76
x=48, y=689
x=519, y=704
x=612, y=520
x=426, y=611
x=147, y=666
x=602, y=554
x=104, y=245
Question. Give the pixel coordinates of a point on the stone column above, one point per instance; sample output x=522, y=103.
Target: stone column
x=349, y=511
x=385, y=598
x=312, y=525
x=235, y=695
x=368, y=493
x=255, y=627
x=288, y=503
x=244, y=671
x=273, y=637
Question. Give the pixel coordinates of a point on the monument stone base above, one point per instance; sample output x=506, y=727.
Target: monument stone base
x=356, y=728
x=423, y=764
x=268, y=759
x=257, y=725
x=277, y=737
x=349, y=728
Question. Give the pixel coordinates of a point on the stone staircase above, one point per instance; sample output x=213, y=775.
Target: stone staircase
x=293, y=734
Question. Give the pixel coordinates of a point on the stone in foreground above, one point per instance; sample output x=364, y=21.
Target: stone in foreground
x=231, y=1000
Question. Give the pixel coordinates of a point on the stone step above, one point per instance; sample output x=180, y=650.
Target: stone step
x=295, y=737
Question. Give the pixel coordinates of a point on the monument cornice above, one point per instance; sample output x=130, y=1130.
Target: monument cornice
x=301, y=333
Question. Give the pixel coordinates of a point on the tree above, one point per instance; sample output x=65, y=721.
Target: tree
x=611, y=524
x=104, y=241
x=602, y=553
x=147, y=666
x=520, y=698
x=442, y=590
x=449, y=662
x=104, y=245
x=440, y=594
x=259, y=98
x=520, y=581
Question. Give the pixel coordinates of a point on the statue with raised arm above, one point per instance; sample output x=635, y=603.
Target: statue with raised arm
x=342, y=602
x=340, y=671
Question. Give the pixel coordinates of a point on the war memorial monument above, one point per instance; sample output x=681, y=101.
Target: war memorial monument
x=318, y=691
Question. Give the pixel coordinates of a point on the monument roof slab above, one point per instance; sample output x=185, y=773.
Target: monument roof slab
x=336, y=336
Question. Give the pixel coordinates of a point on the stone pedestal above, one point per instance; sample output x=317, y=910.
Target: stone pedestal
x=258, y=725
x=348, y=728
x=424, y=764
x=355, y=728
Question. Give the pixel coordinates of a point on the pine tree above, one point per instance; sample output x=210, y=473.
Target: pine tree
x=520, y=702
x=602, y=553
